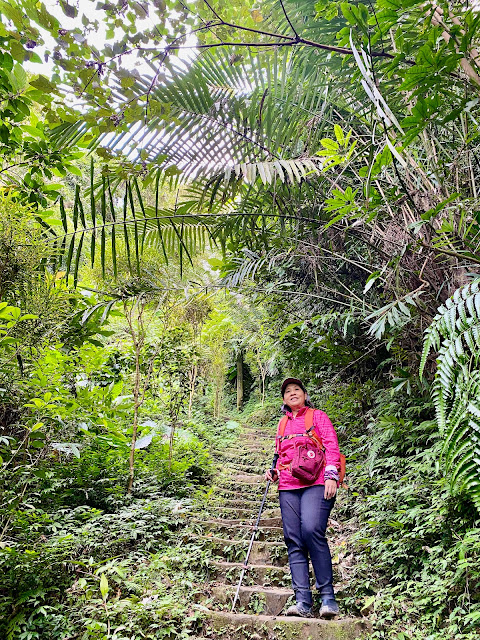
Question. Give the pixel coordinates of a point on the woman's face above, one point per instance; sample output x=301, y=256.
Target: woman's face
x=294, y=396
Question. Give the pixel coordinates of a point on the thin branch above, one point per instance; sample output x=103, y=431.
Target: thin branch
x=290, y=43
x=21, y=164
x=288, y=19
x=207, y=25
x=233, y=44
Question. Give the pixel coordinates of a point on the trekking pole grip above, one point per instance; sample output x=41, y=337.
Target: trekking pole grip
x=274, y=464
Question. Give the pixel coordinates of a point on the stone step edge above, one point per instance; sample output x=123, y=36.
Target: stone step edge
x=230, y=541
x=239, y=510
x=230, y=565
x=220, y=503
x=316, y=628
x=238, y=524
x=236, y=493
x=254, y=588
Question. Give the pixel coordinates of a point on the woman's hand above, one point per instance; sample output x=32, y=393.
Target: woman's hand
x=268, y=475
x=330, y=489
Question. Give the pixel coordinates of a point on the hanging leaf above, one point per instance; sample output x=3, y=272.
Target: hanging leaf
x=104, y=586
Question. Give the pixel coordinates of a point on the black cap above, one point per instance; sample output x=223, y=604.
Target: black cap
x=288, y=381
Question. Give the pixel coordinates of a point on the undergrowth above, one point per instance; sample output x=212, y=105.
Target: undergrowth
x=416, y=546
x=81, y=559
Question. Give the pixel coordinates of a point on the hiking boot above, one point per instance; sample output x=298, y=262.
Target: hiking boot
x=300, y=609
x=329, y=609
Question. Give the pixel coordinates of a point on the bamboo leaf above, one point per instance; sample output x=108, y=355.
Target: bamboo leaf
x=92, y=192
x=82, y=213
x=113, y=232
x=159, y=229
x=77, y=260
x=140, y=201
x=135, y=228
x=70, y=255
x=76, y=206
x=93, y=215
x=125, y=229
x=63, y=215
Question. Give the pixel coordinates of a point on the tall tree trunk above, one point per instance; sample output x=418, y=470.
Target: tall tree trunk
x=136, y=396
x=170, y=445
x=239, y=380
x=192, y=375
x=263, y=374
x=216, y=407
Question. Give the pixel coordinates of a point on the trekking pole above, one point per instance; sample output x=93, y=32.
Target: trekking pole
x=255, y=529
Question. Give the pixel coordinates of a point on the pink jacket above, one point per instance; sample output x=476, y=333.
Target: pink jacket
x=323, y=428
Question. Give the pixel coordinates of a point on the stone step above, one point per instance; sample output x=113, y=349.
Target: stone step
x=249, y=523
x=220, y=506
x=253, y=433
x=244, y=510
x=247, y=515
x=247, y=503
x=234, y=550
x=236, y=479
x=270, y=517
x=262, y=574
x=265, y=433
x=229, y=503
x=255, y=574
x=245, y=451
x=252, y=456
x=245, y=463
x=256, y=434
x=237, y=626
x=248, y=478
x=257, y=446
x=241, y=531
x=234, y=474
x=251, y=492
x=255, y=599
x=237, y=467
x=245, y=460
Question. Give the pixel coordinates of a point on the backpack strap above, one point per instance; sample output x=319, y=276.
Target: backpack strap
x=309, y=431
x=280, y=431
x=342, y=471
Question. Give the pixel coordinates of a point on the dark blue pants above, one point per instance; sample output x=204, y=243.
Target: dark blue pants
x=305, y=515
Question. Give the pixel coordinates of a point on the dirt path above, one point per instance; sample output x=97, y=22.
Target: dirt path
x=227, y=521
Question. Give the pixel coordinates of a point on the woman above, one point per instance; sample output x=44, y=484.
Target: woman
x=306, y=507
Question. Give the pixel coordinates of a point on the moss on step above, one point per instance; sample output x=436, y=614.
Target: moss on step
x=230, y=626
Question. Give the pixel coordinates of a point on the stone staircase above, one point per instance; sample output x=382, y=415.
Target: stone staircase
x=226, y=520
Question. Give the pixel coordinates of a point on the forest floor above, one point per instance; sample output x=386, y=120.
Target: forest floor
x=226, y=520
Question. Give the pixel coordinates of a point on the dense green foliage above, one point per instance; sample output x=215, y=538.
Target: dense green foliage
x=413, y=564
x=178, y=231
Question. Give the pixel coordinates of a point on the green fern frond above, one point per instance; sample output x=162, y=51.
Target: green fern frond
x=455, y=334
